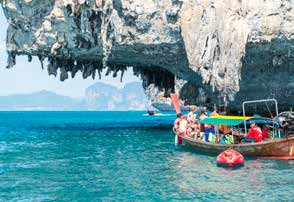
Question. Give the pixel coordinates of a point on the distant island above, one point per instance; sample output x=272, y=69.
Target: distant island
x=99, y=96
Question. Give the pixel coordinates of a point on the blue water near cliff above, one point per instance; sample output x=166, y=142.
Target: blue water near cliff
x=121, y=156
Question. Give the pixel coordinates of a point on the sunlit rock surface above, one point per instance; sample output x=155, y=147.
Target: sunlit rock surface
x=239, y=49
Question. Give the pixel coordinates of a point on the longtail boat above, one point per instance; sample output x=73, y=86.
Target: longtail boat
x=275, y=148
x=279, y=148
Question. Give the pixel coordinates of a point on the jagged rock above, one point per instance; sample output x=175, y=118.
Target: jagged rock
x=238, y=49
x=106, y=97
x=63, y=74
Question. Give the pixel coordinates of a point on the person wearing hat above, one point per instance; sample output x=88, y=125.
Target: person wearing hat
x=254, y=134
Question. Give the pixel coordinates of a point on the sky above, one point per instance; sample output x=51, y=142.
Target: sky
x=27, y=77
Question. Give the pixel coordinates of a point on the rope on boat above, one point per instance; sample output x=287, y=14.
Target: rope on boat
x=269, y=110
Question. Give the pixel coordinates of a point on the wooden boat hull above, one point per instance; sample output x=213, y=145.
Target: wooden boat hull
x=282, y=148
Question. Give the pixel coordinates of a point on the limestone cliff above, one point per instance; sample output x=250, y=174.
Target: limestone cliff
x=235, y=48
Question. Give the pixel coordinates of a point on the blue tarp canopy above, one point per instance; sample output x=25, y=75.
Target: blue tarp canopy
x=261, y=120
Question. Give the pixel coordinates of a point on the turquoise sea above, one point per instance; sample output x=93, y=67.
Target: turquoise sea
x=121, y=156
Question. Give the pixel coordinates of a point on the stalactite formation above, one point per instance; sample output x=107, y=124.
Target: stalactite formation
x=217, y=47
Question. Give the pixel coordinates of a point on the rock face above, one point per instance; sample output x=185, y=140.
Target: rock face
x=237, y=49
x=101, y=96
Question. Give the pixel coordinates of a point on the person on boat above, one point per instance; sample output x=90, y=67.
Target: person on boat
x=265, y=133
x=209, y=130
x=214, y=113
x=224, y=129
x=190, y=132
x=192, y=128
x=202, y=116
x=191, y=116
x=197, y=133
x=183, y=126
x=216, y=127
x=254, y=134
x=177, y=123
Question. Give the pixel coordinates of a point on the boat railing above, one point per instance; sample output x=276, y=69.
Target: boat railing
x=261, y=101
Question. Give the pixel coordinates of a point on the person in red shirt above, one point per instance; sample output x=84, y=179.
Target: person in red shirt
x=254, y=134
x=265, y=135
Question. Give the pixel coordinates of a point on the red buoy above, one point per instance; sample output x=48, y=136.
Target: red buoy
x=230, y=157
